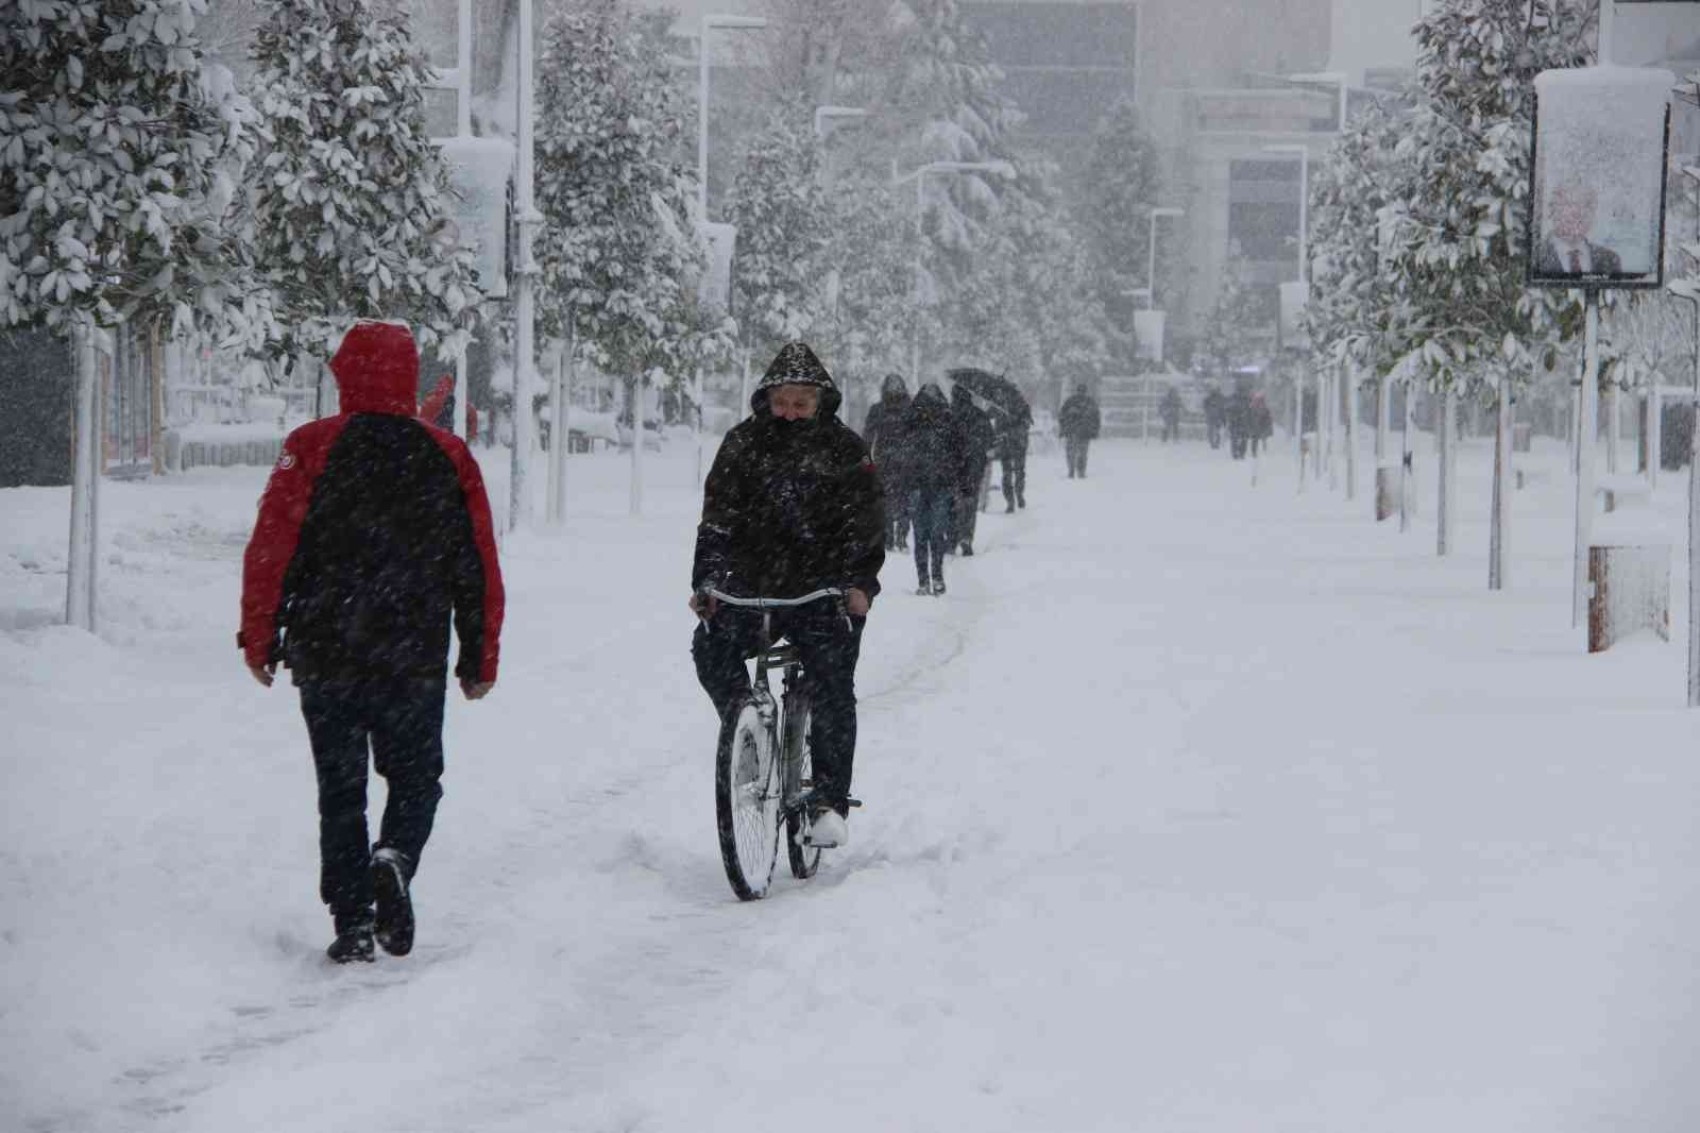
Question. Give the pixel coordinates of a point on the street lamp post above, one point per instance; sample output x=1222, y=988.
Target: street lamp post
x=709, y=22
x=919, y=176
x=1151, y=249
x=825, y=114
x=1331, y=78
x=1303, y=153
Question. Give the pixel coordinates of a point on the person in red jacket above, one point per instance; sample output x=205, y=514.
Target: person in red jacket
x=373, y=534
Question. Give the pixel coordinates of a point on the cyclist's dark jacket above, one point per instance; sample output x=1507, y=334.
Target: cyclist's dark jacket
x=373, y=531
x=791, y=506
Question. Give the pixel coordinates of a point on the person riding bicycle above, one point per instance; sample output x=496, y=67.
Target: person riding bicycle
x=791, y=505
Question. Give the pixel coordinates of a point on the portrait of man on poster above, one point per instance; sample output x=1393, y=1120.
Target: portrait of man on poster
x=1567, y=245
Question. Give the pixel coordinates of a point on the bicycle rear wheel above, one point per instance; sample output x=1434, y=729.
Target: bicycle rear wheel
x=799, y=779
x=747, y=801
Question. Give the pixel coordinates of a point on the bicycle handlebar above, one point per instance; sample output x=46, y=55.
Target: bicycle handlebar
x=773, y=603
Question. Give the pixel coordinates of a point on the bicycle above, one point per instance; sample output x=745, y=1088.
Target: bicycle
x=762, y=769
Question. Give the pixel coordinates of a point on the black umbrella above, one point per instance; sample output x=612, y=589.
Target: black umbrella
x=1003, y=395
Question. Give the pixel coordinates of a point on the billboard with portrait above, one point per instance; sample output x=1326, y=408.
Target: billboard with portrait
x=1598, y=176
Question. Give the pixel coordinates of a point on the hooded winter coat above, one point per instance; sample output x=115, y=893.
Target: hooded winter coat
x=979, y=436
x=1079, y=418
x=932, y=444
x=374, y=532
x=791, y=506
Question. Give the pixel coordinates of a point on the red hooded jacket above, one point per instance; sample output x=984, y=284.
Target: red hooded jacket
x=374, y=532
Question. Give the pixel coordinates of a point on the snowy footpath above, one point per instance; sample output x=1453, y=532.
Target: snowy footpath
x=1195, y=807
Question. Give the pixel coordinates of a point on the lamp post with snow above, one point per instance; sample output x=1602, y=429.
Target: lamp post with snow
x=711, y=22
x=1303, y=154
x=1151, y=249
x=919, y=176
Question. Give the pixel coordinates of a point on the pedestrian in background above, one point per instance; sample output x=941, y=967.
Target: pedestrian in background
x=1170, y=410
x=1012, y=428
x=374, y=535
x=879, y=433
x=1078, y=420
x=978, y=440
x=1215, y=411
x=934, y=457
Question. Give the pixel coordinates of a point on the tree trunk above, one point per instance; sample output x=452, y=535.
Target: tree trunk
x=635, y=392
x=1447, y=440
x=557, y=494
x=1586, y=430
x=1500, y=539
x=1407, y=506
x=82, y=554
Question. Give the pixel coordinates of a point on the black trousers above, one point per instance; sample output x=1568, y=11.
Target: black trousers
x=932, y=509
x=398, y=721
x=1075, y=448
x=828, y=644
x=1014, y=478
x=965, y=515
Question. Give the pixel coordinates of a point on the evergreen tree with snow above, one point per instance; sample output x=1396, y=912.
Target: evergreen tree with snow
x=780, y=212
x=617, y=252
x=1353, y=302
x=349, y=194
x=1458, y=219
x=1237, y=332
x=121, y=155
x=871, y=251
x=942, y=80
x=1117, y=191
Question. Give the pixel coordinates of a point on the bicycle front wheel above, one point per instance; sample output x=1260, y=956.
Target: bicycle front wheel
x=799, y=780
x=747, y=802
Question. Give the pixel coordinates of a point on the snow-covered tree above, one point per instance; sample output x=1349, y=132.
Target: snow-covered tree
x=1028, y=308
x=1353, y=303
x=121, y=157
x=1118, y=189
x=779, y=209
x=617, y=251
x=941, y=79
x=1458, y=219
x=871, y=251
x=1237, y=331
x=350, y=196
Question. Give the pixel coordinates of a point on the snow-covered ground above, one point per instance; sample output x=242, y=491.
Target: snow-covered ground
x=1194, y=806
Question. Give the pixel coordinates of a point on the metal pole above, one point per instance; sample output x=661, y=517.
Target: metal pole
x=915, y=322
x=1304, y=215
x=558, y=440
x=1151, y=263
x=1299, y=425
x=524, y=279
x=85, y=478
x=1585, y=445
x=1694, y=529
x=1445, y=519
x=1500, y=536
x=702, y=122
x=1351, y=377
x=1406, y=466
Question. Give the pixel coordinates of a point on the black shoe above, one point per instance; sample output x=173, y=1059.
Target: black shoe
x=924, y=589
x=938, y=586
x=353, y=944
x=1021, y=501
x=394, y=924
x=1009, y=509
x=968, y=550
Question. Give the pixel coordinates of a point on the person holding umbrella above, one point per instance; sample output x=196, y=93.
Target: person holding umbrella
x=1011, y=416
